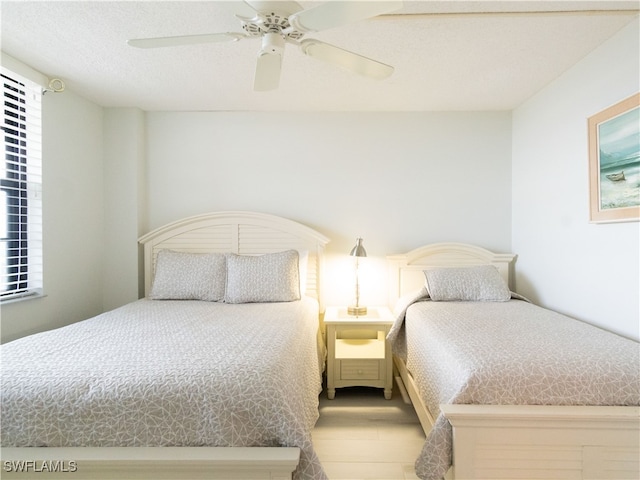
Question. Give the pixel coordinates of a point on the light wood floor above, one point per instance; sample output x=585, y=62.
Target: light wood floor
x=362, y=436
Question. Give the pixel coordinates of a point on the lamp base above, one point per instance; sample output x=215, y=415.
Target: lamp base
x=357, y=311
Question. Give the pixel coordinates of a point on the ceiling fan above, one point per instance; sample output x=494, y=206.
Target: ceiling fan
x=280, y=22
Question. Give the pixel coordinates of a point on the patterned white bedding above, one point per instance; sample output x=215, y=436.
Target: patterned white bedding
x=508, y=353
x=169, y=373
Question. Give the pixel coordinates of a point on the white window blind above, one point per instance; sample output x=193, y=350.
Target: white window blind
x=21, y=189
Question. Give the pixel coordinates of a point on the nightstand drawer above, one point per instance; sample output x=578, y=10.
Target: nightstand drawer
x=359, y=370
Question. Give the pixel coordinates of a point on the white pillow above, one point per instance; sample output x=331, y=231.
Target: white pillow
x=273, y=277
x=479, y=284
x=189, y=276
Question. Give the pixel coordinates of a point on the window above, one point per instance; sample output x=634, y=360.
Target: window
x=21, y=189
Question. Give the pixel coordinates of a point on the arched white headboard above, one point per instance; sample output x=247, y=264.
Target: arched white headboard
x=238, y=232
x=406, y=271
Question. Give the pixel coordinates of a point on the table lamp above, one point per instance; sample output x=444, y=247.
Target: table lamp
x=357, y=251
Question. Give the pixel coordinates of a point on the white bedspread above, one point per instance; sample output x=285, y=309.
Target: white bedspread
x=509, y=353
x=169, y=373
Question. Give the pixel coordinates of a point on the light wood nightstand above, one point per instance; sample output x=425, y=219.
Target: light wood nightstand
x=358, y=353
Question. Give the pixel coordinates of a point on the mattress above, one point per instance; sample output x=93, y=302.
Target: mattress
x=511, y=353
x=169, y=373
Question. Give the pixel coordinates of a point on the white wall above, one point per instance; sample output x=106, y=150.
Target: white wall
x=590, y=271
x=125, y=210
x=73, y=205
x=400, y=180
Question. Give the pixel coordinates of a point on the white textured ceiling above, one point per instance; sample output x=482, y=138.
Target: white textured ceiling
x=448, y=55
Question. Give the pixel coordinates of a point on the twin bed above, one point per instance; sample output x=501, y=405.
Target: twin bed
x=505, y=389
x=216, y=372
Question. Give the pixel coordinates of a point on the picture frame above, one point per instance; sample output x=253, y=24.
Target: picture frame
x=614, y=162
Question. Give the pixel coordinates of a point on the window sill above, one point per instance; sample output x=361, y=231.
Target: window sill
x=22, y=297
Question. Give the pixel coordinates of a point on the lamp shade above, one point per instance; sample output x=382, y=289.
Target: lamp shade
x=358, y=250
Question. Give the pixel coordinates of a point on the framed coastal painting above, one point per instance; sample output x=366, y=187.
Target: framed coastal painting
x=614, y=162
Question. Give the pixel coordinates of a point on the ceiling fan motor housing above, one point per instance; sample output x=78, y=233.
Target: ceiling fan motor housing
x=272, y=22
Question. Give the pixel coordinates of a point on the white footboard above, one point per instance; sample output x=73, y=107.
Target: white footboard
x=157, y=463
x=523, y=441
x=537, y=441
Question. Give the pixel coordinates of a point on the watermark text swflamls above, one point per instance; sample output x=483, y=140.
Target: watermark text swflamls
x=40, y=466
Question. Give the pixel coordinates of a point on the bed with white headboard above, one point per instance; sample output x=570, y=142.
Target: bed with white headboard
x=248, y=237
x=585, y=431
x=240, y=232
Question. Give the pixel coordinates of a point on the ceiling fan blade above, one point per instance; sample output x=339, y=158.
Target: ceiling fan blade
x=185, y=40
x=338, y=13
x=269, y=64
x=284, y=7
x=349, y=60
